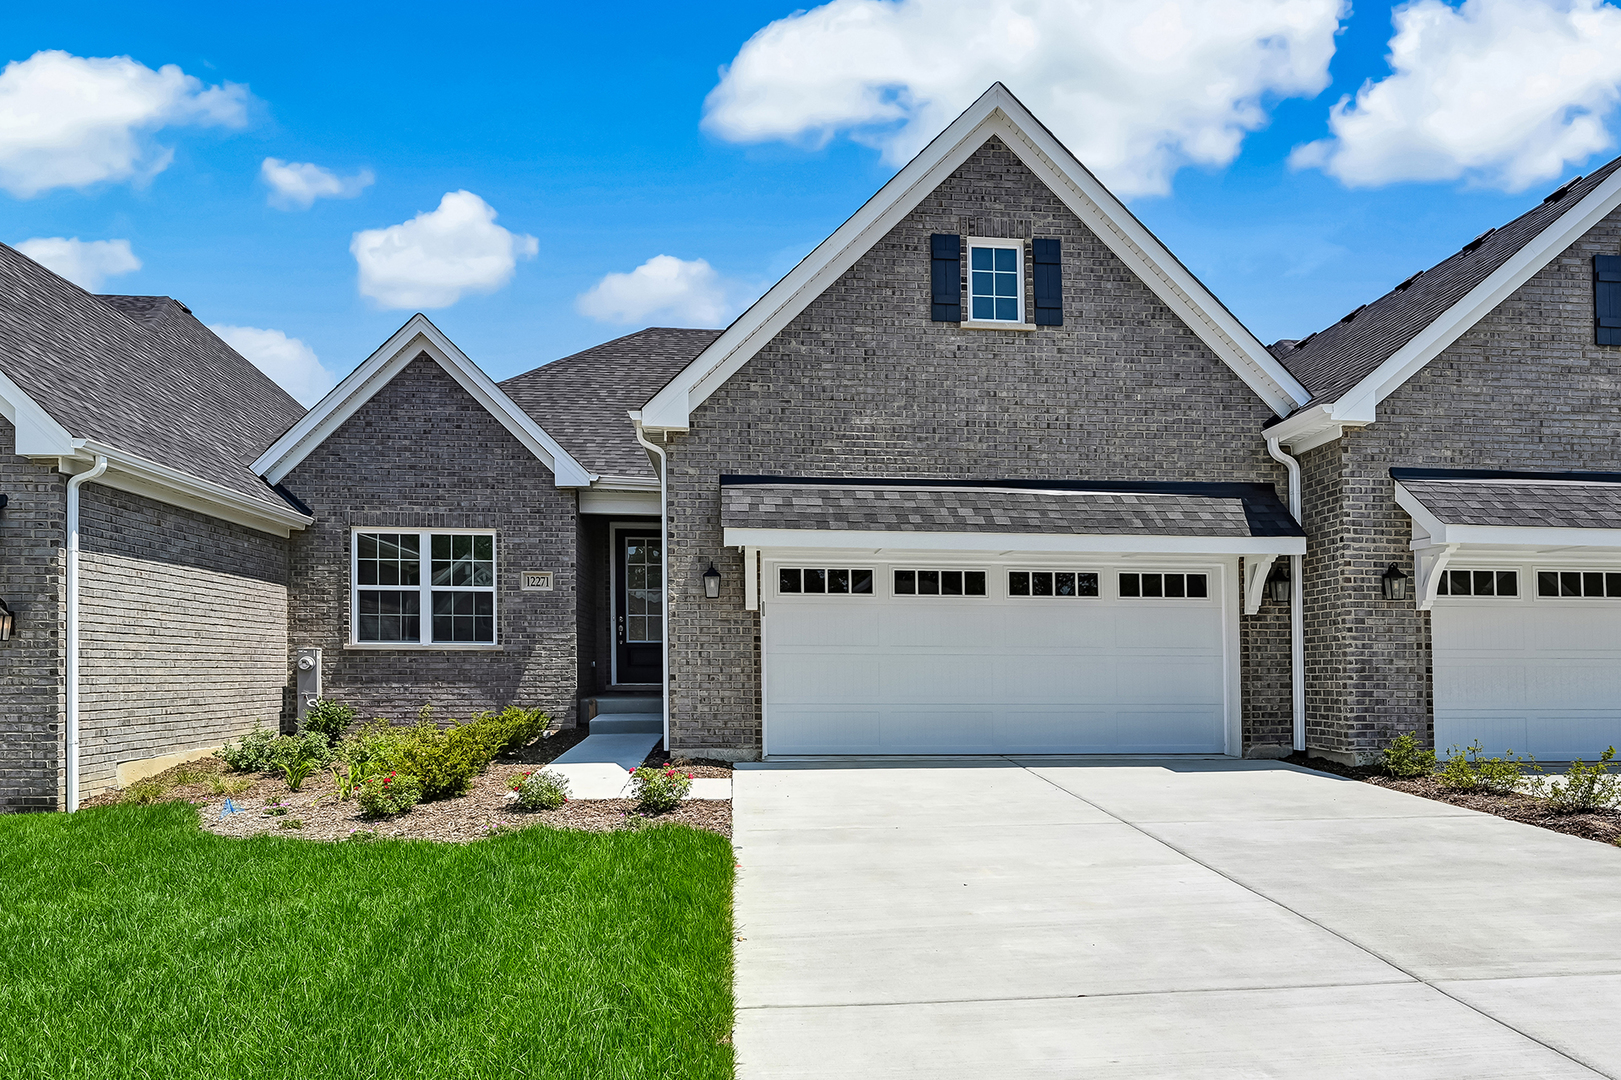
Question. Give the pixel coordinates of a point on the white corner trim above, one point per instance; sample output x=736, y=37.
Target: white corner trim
x=865, y=540
x=751, y=579
x=1362, y=399
x=38, y=433
x=996, y=112
x=417, y=336
x=1256, y=569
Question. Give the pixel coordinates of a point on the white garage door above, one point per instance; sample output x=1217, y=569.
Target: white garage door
x=1528, y=658
x=993, y=659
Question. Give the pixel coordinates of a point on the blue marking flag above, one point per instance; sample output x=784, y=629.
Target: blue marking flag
x=230, y=807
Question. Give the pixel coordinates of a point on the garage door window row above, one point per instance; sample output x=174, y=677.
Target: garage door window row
x=847, y=581
x=1164, y=586
x=939, y=583
x=1478, y=583
x=1570, y=584
x=1051, y=583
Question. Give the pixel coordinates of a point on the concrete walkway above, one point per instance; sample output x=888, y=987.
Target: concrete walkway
x=1155, y=919
x=598, y=767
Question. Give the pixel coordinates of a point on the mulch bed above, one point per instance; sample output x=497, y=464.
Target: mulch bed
x=1601, y=825
x=483, y=811
x=710, y=768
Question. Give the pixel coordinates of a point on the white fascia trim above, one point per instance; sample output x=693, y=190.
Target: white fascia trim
x=864, y=540
x=996, y=112
x=38, y=433
x=624, y=483
x=1314, y=427
x=417, y=336
x=1430, y=531
x=1363, y=398
x=139, y=476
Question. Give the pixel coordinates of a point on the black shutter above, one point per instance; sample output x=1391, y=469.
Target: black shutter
x=945, y=263
x=1607, y=298
x=1049, y=283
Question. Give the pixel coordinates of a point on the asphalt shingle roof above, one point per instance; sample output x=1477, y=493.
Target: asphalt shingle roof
x=581, y=400
x=139, y=373
x=1517, y=499
x=1004, y=507
x=1332, y=361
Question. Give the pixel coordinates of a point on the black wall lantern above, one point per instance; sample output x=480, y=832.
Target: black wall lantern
x=1277, y=586
x=712, y=581
x=8, y=622
x=1394, y=583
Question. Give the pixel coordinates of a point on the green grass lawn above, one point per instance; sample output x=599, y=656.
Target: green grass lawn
x=133, y=944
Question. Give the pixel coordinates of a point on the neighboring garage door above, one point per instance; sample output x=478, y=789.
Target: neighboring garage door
x=993, y=658
x=1528, y=658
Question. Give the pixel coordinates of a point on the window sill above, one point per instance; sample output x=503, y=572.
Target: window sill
x=971, y=324
x=406, y=646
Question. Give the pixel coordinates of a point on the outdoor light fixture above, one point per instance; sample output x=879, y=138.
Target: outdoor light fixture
x=1277, y=586
x=711, y=581
x=1394, y=583
x=8, y=622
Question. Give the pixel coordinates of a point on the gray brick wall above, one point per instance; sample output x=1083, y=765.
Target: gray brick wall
x=424, y=454
x=33, y=672
x=182, y=631
x=1525, y=388
x=863, y=384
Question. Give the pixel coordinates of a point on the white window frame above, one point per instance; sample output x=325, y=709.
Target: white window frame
x=896, y=568
x=425, y=588
x=1519, y=583
x=1535, y=592
x=1007, y=584
x=1140, y=570
x=994, y=242
x=776, y=585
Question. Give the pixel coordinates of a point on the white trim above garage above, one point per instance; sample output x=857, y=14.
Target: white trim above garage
x=865, y=540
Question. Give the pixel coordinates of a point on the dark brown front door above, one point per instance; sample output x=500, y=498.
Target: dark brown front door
x=639, y=614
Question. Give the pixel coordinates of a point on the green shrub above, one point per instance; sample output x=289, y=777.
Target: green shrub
x=1405, y=759
x=659, y=788
x=1584, y=787
x=296, y=756
x=330, y=718
x=445, y=761
x=251, y=754
x=517, y=727
x=388, y=793
x=540, y=789
x=145, y=791
x=1466, y=770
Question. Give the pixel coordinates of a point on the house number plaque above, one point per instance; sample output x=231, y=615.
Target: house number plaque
x=537, y=581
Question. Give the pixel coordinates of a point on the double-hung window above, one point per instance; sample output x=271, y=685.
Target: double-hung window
x=424, y=588
x=995, y=280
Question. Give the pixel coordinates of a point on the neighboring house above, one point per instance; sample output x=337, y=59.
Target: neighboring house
x=989, y=472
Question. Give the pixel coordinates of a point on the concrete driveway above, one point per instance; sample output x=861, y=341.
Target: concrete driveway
x=1005, y=919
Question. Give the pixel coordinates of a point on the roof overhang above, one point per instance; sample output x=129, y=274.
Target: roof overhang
x=140, y=476
x=416, y=337
x=1011, y=543
x=996, y=113
x=1358, y=406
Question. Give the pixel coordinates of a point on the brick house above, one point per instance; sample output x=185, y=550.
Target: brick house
x=989, y=472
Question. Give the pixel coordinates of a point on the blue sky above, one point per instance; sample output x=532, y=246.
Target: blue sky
x=583, y=127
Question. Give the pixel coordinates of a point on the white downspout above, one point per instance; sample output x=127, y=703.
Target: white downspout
x=664, y=556
x=75, y=482
x=1297, y=600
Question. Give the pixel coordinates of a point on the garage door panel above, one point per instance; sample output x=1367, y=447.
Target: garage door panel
x=1161, y=626
x=920, y=675
x=844, y=677
x=1181, y=680
x=1567, y=735
x=1479, y=683
x=1499, y=628
x=1058, y=676
x=829, y=626
x=1060, y=624
x=1575, y=679
x=1572, y=628
x=936, y=728
x=824, y=729
x=930, y=624
x=1162, y=729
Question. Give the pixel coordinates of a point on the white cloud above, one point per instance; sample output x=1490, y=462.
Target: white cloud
x=297, y=184
x=679, y=292
x=86, y=263
x=1503, y=92
x=288, y=361
x=72, y=121
x=429, y=261
x=1135, y=90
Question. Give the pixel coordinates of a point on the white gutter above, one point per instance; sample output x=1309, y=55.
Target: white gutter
x=1297, y=600
x=74, y=483
x=664, y=557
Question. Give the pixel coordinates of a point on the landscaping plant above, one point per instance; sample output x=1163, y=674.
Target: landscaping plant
x=1584, y=788
x=540, y=789
x=296, y=756
x=388, y=794
x=251, y=753
x=659, y=788
x=329, y=718
x=1466, y=770
x=1407, y=760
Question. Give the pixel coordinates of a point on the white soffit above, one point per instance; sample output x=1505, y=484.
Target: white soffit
x=997, y=543
x=417, y=336
x=999, y=113
x=38, y=433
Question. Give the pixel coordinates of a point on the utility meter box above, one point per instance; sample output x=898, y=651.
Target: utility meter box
x=308, y=665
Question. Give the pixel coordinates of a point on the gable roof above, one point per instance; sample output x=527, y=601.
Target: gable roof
x=1353, y=365
x=138, y=378
x=996, y=113
x=417, y=337
x=584, y=399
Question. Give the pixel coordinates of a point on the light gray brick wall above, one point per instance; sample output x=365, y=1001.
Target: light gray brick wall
x=424, y=454
x=863, y=384
x=182, y=631
x=1525, y=388
x=33, y=664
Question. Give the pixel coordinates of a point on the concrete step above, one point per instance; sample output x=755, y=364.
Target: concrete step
x=628, y=723
x=625, y=703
